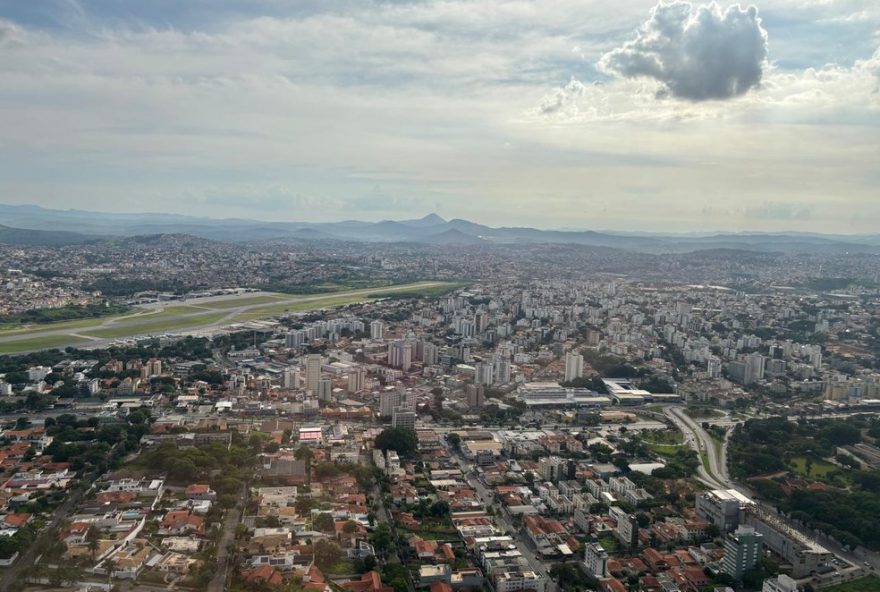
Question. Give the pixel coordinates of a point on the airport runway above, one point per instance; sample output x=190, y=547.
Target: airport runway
x=198, y=317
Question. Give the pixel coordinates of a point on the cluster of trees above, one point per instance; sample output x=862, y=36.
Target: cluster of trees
x=492, y=414
x=656, y=384
x=767, y=445
x=612, y=366
x=683, y=463
x=401, y=440
x=21, y=540
x=241, y=339
x=115, y=286
x=394, y=575
x=849, y=515
x=571, y=577
x=88, y=444
x=594, y=383
x=63, y=313
x=32, y=402
x=225, y=469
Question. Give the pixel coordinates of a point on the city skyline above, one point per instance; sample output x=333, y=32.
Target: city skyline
x=505, y=113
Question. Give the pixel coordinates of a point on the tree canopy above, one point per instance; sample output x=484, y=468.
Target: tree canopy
x=401, y=440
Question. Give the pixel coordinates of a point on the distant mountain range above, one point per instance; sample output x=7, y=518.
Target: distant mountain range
x=28, y=225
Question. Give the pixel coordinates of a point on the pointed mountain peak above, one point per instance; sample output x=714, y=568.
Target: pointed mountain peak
x=429, y=220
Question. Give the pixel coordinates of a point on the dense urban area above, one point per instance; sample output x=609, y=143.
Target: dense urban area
x=393, y=417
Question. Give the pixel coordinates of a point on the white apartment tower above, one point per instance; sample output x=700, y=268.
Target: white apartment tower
x=357, y=380
x=574, y=366
x=313, y=372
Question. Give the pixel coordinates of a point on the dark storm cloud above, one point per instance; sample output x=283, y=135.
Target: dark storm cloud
x=698, y=52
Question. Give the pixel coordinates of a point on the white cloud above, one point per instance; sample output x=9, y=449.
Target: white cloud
x=364, y=110
x=9, y=33
x=563, y=98
x=697, y=52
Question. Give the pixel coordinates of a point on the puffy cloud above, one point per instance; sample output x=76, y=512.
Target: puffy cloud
x=563, y=98
x=697, y=52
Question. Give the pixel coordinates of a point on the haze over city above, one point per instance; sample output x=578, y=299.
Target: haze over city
x=651, y=117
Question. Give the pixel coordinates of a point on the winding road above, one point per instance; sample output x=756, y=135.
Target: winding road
x=715, y=474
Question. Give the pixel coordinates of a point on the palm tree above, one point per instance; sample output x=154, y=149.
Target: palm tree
x=93, y=540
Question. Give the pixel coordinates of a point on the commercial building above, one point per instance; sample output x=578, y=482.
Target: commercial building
x=722, y=507
x=804, y=554
x=742, y=550
x=551, y=394
x=781, y=583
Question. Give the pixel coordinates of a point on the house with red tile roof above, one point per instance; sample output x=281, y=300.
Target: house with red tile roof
x=200, y=491
x=16, y=520
x=315, y=580
x=182, y=522
x=369, y=582
x=264, y=574
x=441, y=586
x=612, y=585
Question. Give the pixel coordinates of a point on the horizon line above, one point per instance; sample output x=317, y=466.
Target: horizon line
x=445, y=220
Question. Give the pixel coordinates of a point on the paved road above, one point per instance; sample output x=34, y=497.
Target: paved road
x=718, y=476
x=699, y=440
x=26, y=559
x=233, y=518
x=488, y=499
x=717, y=467
x=138, y=325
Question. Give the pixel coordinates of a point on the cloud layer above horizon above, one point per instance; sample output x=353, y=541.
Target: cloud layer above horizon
x=665, y=116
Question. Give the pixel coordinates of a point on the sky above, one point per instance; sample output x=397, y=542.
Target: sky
x=588, y=114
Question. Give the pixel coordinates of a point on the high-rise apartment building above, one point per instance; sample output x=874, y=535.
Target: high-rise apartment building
x=400, y=354
x=313, y=372
x=484, y=373
x=357, y=380
x=574, y=366
x=388, y=400
x=402, y=417
x=742, y=550
x=475, y=396
x=596, y=560
x=325, y=391
x=289, y=378
x=430, y=354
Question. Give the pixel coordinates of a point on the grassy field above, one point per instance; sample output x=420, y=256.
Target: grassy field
x=704, y=458
x=24, y=330
x=665, y=449
x=609, y=542
x=249, y=301
x=867, y=584
x=182, y=317
x=44, y=342
x=426, y=292
x=156, y=326
x=263, y=312
x=818, y=470
x=663, y=437
x=703, y=412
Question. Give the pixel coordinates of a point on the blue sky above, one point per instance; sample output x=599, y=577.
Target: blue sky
x=647, y=116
